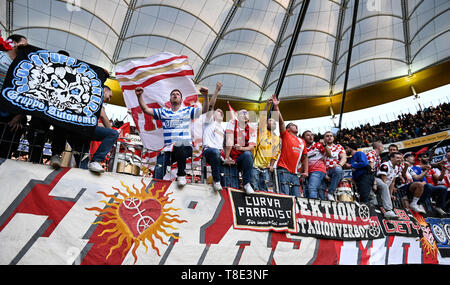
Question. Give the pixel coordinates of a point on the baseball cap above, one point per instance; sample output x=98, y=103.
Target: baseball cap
x=408, y=154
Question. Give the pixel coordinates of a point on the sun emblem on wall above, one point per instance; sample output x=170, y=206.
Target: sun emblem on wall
x=137, y=217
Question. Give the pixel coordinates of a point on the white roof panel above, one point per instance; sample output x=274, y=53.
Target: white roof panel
x=244, y=42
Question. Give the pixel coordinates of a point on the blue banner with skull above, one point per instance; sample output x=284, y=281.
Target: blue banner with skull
x=59, y=88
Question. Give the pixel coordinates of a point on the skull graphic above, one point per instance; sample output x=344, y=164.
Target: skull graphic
x=59, y=86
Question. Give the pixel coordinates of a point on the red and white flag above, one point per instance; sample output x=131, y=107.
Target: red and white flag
x=232, y=112
x=158, y=75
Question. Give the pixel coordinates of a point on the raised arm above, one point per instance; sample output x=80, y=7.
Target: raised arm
x=212, y=103
x=276, y=102
x=209, y=105
x=139, y=91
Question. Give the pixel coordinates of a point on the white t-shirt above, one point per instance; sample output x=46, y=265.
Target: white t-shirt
x=213, y=133
x=409, y=175
x=389, y=170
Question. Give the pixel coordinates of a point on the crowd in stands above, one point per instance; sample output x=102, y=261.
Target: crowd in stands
x=407, y=126
x=294, y=164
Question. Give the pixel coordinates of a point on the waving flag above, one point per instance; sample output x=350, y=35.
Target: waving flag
x=232, y=111
x=5, y=45
x=158, y=75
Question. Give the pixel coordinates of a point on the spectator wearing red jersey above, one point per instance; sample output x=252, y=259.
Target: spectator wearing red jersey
x=316, y=161
x=374, y=157
x=293, y=150
x=447, y=178
x=447, y=169
x=334, y=164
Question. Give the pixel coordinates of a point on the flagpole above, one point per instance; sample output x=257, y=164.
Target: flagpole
x=287, y=59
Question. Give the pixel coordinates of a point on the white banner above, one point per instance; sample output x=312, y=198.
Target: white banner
x=72, y=216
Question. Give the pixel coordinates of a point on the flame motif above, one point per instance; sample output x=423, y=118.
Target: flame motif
x=121, y=230
x=427, y=240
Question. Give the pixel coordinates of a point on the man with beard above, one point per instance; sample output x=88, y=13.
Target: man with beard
x=334, y=164
x=316, y=162
x=176, y=128
x=293, y=151
x=419, y=173
x=390, y=170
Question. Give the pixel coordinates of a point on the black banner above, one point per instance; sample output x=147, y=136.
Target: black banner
x=55, y=87
x=263, y=211
x=337, y=220
x=406, y=225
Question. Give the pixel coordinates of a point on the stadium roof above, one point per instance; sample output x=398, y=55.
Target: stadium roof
x=244, y=44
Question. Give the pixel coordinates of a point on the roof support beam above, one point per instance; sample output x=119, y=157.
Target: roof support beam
x=349, y=59
x=217, y=40
x=406, y=34
x=287, y=60
x=337, y=45
x=124, y=30
x=335, y=62
x=277, y=46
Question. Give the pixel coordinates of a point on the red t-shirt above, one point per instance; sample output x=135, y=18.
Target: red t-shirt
x=316, y=157
x=292, y=149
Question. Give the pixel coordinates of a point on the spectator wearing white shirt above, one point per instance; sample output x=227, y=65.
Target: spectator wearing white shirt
x=387, y=173
x=213, y=136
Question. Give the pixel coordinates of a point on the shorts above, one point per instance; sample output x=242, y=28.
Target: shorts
x=403, y=191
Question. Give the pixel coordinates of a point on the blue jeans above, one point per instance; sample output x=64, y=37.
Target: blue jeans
x=179, y=155
x=336, y=175
x=260, y=179
x=245, y=165
x=314, y=183
x=212, y=156
x=288, y=183
x=108, y=137
x=229, y=176
x=431, y=190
